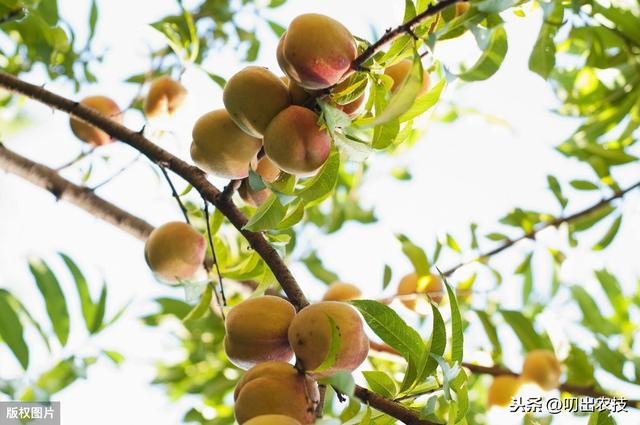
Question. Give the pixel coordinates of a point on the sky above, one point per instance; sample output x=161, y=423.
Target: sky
x=472, y=170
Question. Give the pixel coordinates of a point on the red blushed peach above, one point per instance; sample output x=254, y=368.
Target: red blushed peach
x=316, y=51
x=295, y=143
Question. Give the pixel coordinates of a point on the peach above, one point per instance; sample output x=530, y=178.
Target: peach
x=272, y=420
x=341, y=291
x=295, y=143
x=257, y=330
x=415, y=284
x=543, y=368
x=221, y=148
x=311, y=337
x=316, y=51
x=175, y=252
x=502, y=390
x=90, y=134
x=253, y=97
x=275, y=388
x=165, y=97
x=399, y=71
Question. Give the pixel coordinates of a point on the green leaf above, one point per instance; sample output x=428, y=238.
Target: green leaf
x=453, y=244
x=601, y=418
x=613, y=289
x=526, y=271
x=293, y=217
x=592, y=318
x=86, y=303
x=543, y=56
x=555, y=187
x=321, y=185
x=317, y=269
x=268, y=215
x=415, y=254
x=202, y=307
x=388, y=325
x=277, y=29
x=11, y=331
x=579, y=368
x=24, y=312
x=116, y=357
x=101, y=307
x=53, y=297
x=524, y=330
x=404, y=97
x=492, y=334
x=334, y=348
x=381, y=383
x=341, y=381
x=609, y=236
x=492, y=56
x=437, y=345
x=93, y=20
x=386, y=277
x=457, y=329
x=586, y=221
x=424, y=102
x=584, y=185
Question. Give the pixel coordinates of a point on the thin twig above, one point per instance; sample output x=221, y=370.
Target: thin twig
x=117, y=173
x=213, y=251
x=553, y=223
x=77, y=159
x=406, y=28
x=175, y=194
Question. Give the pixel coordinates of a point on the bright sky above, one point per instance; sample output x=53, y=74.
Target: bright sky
x=469, y=171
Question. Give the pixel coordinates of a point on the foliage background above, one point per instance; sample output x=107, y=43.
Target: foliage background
x=475, y=169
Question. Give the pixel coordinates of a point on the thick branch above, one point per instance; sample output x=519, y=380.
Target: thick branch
x=83, y=197
x=553, y=223
x=194, y=175
x=406, y=28
x=496, y=370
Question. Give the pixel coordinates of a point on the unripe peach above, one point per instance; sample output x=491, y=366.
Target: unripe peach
x=275, y=388
x=295, y=143
x=175, y=252
x=399, y=71
x=257, y=330
x=415, y=284
x=543, y=368
x=352, y=108
x=272, y=420
x=316, y=51
x=253, y=197
x=164, y=98
x=341, y=291
x=502, y=390
x=90, y=134
x=253, y=97
x=311, y=337
x=221, y=148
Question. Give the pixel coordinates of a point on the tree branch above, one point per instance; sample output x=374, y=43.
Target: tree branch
x=554, y=223
x=83, y=197
x=406, y=28
x=192, y=174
